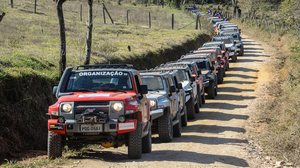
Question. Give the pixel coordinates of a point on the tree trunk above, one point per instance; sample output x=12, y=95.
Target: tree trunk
x=62, y=31
x=89, y=33
x=35, y=4
x=2, y=16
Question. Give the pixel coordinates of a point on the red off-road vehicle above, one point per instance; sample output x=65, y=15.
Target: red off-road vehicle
x=102, y=104
x=217, y=58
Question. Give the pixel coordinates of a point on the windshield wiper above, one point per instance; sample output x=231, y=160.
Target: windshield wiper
x=84, y=90
x=113, y=89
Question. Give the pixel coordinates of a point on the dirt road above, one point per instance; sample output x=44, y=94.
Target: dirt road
x=215, y=139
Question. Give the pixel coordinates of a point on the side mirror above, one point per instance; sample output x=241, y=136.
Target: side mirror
x=144, y=89
x=240, y=30
x=172, y=89
x=54, y=90
x=180, y=86
x=193, y=79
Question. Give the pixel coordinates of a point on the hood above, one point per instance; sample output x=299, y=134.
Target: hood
x=228, y=45
x=97, y=96
x=155, y=94
x=205, y=72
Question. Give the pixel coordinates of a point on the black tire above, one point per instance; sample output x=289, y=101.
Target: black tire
x=165, y=128
x=234, y=58
x=220, y=76
x=224, y=72
x=190, y=109
x=241, y=53
x=135, y=143
x=184, y=118
x=227, y=66
x=216, y=90
x=199, y=99
x=203, y=98
x=54, y=145
x=177, y=128
x=197, y=108
x=211, y=94
x=147, y=142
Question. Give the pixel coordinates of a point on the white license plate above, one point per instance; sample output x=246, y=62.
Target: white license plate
x=91, y=128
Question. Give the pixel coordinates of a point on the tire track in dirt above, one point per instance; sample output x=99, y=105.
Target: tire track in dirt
x=215, y=139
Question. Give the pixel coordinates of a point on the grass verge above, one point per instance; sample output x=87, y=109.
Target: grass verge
x=277, y=116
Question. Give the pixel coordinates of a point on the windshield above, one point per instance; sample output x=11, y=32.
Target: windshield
x=211, y=45
x=234, y=36
x=226, y=40
x=181, y=75
x=154, y=83
x=99, y=80
x=202, y=65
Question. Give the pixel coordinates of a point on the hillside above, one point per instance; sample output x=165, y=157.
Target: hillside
x=30, y=41
x=29, y=54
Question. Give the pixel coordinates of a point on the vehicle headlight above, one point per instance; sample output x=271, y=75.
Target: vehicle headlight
x=117, y=106
x=152, y=103
x=67, y=108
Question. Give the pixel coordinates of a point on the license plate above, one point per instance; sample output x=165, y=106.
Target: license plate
x=91, y=128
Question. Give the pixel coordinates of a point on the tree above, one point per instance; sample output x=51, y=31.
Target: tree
x=62, y=32
x=89, y=33
x=2, y=16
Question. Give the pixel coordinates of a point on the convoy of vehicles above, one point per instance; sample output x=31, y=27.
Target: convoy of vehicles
x=115, y=104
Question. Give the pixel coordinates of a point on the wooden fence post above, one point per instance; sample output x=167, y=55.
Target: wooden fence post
x=104, y=17
x=81, y=12
x=12, y=3
x=197, y=22
x=150, y=20
x=173, y=21
x=112, y=21
x=127, y=17
x=35, y=4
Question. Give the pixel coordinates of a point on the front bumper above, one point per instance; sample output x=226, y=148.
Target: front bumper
x=72, y=127
x=156, y=113
x=206, y=83
x=231, y=54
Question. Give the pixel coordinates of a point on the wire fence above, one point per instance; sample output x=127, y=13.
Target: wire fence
x=151, y=16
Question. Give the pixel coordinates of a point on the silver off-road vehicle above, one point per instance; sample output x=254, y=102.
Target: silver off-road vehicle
x=167, y=103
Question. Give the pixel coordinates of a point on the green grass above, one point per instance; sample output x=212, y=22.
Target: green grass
x=30, y=42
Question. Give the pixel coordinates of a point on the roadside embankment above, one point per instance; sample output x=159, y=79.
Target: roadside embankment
x=25, y=98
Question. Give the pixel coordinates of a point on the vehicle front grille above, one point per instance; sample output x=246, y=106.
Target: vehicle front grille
x=81, y=107
x=91, y=111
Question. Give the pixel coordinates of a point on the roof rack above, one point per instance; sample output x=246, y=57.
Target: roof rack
x=195, y=54
x=222, y=37
x=120, y=66
x=157, y=70
x=194, y=57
